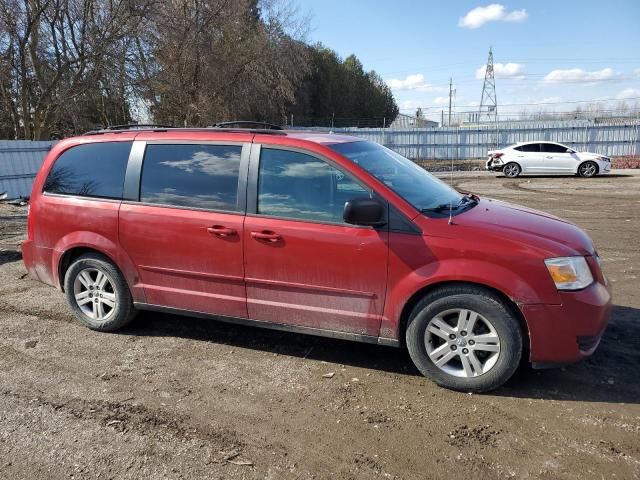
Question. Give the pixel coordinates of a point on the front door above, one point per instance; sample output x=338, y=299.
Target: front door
x=557, y=159
x=303, y=265
x=184, y=234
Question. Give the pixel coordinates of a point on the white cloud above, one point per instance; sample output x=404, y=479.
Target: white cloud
x=503, y=70
x=578, y=75
x=491, y=13
x=410, y=105
x=410, y=82
x=441, y=100
x=628, y=93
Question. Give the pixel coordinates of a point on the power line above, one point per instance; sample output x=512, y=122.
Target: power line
x=601, y=100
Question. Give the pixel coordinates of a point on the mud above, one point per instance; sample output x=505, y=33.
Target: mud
x=175, y=397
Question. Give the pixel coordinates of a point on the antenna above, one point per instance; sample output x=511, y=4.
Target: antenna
x=489, y=101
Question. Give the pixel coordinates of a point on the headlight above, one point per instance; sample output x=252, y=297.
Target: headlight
x=569, y=273
x=605, y=159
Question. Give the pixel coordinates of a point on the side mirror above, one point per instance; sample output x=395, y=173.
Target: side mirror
x=570, y=150
x=365, y=211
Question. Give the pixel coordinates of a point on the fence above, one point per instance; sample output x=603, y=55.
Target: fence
x=614, y=139
x=19, y=163
x=20, y=160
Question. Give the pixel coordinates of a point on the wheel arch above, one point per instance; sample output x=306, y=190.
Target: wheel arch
x=425, y=290
x=70, y=255
x=588, y=161
x=513, y=161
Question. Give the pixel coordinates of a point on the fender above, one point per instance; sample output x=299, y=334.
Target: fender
x=481, y=272
x=103, y=245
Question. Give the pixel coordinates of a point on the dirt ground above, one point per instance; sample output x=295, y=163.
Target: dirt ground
x=174, y=397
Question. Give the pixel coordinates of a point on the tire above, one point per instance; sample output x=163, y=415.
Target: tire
x=491, y=359
x=588, y=169
x=511, y=170
x=98, y=293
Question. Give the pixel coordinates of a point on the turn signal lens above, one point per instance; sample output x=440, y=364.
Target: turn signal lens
x=569, y=273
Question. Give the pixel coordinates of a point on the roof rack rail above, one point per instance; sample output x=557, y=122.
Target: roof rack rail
x=248, y=124
x=128, y=126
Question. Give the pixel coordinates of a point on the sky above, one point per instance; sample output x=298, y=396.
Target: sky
x=548, y=55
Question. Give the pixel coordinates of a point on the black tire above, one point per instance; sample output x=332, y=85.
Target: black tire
x=588, y=169
x=118, y=316
x=511, y=170
x=487, y=305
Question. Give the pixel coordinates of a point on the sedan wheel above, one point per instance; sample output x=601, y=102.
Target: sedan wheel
x=462, y=343
x=588, y=169
x=511, y=170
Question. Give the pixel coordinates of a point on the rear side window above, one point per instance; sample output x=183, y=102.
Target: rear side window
x=187, y=175
x=90, y=170
x=529, y=147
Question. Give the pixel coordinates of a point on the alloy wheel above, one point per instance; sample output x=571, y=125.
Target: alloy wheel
x=94, y=293
x=588, y=170
x=511, y=170
x=462, y=343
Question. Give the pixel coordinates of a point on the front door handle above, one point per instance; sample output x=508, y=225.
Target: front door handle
x=548, y=156
x=221, y=231
x=267, y=236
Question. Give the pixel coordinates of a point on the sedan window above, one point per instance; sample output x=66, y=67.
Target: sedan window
x=553, y=148
x=529, y=147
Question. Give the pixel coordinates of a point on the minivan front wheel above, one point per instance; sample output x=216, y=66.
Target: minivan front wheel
x=98, y=293
x=464, y=338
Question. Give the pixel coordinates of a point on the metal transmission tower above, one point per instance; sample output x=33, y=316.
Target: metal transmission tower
x=489, y=102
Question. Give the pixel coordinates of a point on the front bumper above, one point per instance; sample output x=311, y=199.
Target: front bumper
x=571, y=331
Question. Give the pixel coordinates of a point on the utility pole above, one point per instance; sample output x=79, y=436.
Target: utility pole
x=450, y=95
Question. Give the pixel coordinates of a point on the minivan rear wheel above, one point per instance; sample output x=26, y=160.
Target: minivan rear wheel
x=98, y=293
x=464, y=338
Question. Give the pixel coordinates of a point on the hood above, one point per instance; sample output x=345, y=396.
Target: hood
x=539, y=230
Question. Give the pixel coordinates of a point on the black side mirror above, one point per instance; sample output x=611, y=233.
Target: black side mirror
x=365, y=211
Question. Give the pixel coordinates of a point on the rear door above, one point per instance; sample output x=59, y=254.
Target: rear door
x=557, y=159
x=181, y=224
x=529, y=157
x=304, y=266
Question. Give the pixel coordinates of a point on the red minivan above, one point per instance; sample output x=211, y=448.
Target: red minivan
x=315, y=233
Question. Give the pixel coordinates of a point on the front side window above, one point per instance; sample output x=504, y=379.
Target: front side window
x=553, y=148
x=296, y=185
x=198, y=176
x=90, y=170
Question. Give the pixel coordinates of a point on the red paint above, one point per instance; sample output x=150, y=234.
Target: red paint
x=333, y=277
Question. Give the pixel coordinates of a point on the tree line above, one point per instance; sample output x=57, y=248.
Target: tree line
x=67, y=66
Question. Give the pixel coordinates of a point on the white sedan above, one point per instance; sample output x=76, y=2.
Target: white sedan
x=546, y=158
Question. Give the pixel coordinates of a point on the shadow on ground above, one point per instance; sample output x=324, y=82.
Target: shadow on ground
x=8, y=256
x=611, y=375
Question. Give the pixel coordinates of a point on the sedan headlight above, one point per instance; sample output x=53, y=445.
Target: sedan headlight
x=569, y=273
x=604, y=159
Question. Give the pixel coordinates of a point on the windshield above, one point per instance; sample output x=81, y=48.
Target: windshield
x=412, y=182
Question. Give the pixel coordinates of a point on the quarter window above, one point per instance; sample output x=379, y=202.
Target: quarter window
x=199, y=176
x=90, y=170
x=296, y=185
